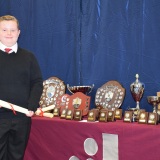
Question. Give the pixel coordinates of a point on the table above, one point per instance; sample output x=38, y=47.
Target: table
x=60, y=139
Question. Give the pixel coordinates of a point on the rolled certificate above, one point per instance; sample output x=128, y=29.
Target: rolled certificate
x=49, y=115
x=13, y=107
x=48, y=108
x=40, y=111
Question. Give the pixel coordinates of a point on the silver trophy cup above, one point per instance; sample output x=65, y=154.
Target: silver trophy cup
x=154, y=101
x=137, y=90
x=84, y=89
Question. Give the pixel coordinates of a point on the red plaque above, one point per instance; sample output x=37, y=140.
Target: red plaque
x=63, y=101
x=80, y=101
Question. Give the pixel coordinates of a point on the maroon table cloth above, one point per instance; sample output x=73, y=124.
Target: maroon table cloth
x=60, y=139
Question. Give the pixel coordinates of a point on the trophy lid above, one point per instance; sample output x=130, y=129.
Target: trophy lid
x=137, y=89
x=137, y=83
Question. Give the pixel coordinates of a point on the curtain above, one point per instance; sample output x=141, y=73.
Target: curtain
x=85, y=42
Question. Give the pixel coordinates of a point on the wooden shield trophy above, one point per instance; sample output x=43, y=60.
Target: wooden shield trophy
x=110, y=95
x=79, y=99
x=53, y=87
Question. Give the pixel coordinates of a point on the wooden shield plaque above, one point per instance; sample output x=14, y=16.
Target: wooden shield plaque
x=110, y=95
x=80, y=101
x=52, y=89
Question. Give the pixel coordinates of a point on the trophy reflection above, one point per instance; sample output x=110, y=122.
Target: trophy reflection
x=137, y=90
x=154, y=101
x=84, y=89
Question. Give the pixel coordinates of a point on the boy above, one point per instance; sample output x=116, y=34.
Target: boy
x=20, y=84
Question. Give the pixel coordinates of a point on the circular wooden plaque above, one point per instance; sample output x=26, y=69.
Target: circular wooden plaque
x=110, y=95
x=53, y=87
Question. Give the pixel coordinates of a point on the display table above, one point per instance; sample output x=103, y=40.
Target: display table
x=60, y=139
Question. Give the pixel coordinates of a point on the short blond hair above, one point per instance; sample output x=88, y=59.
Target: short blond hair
x=9, y=18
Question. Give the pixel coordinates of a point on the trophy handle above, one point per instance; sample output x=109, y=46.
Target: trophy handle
x=91, y=88
x=69, y=88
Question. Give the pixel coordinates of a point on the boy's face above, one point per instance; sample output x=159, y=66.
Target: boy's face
x=9, y=33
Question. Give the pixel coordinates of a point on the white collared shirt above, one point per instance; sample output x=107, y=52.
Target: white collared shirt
x=14, y=47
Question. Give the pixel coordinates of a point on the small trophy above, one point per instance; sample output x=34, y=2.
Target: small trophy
x=118, y=114
x=56, y=112
x=135, y=112
x=63, y=114
x=137, y=90
x=69, y=114
x=103, y=116
x=154, y=101
x=153, y=118
x=128, y=116
x=110, y=116
x=143, y=118
x=77, y=114
x=91, y=115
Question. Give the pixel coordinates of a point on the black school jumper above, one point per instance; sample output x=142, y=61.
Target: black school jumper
x=21, y=84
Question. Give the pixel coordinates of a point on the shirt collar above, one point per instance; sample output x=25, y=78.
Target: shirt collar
x=14, y=47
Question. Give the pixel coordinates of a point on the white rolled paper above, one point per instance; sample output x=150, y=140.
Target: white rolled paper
x=48, y=108
x=13, y=107
x=50, y=115
x=40, y=110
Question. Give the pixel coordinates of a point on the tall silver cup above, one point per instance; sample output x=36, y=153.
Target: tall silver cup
x=137, y=90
